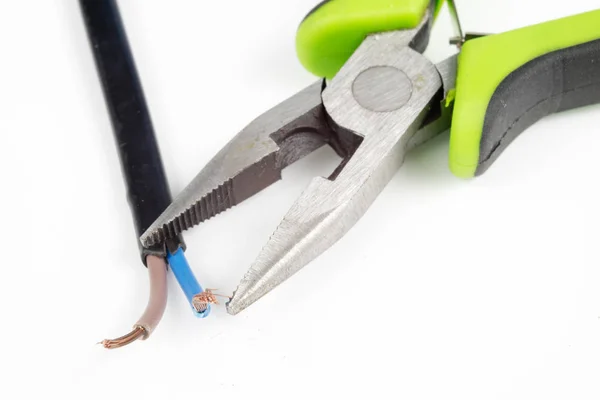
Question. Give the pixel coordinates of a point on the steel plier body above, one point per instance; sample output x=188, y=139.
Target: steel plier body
x=378, y=98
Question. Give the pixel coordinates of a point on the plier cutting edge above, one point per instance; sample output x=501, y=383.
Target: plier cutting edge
x=378, y=99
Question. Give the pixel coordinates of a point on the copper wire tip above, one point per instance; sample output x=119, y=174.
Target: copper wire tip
x=137, y=333
x=202, y=300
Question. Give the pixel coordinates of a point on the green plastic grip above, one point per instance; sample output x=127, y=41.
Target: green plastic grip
x=485, y=64
x=332, y=32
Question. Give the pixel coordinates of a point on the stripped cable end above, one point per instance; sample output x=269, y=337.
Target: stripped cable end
x=201, y=309
x=157, y=302
x=137, y=333
x=202, y=301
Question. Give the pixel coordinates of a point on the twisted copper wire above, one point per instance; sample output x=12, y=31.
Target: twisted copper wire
x=137, y=333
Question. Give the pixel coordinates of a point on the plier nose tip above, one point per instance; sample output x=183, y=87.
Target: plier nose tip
x=318, y=219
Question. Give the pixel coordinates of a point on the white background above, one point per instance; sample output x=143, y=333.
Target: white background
x=482, y=289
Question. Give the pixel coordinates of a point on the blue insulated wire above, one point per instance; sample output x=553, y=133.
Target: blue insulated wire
x=186, y=279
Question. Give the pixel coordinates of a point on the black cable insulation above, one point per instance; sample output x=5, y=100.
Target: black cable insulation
x=141, y=165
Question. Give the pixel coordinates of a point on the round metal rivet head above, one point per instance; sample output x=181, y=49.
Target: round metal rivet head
x=382, y=89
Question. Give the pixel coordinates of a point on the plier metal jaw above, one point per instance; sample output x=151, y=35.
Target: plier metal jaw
x=385, y=100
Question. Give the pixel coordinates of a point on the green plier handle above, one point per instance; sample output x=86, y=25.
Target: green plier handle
x=334, y=29
x=508, y=82
x=505, y=82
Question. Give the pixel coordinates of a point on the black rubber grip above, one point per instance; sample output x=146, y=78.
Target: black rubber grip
x=558, y=81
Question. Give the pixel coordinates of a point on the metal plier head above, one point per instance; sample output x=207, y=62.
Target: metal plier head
x=386, y=99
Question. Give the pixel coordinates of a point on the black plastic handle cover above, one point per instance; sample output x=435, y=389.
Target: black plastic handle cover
x=562, y=80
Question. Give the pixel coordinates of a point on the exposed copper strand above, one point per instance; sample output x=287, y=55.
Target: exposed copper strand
x=137, y=333
x=202, y=300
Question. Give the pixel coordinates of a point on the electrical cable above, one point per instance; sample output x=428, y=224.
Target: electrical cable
x=194, y=293
x=147, y=188
x=157, y=271
x=141, y=165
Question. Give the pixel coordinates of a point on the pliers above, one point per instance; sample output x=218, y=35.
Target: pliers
x=378, y=98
